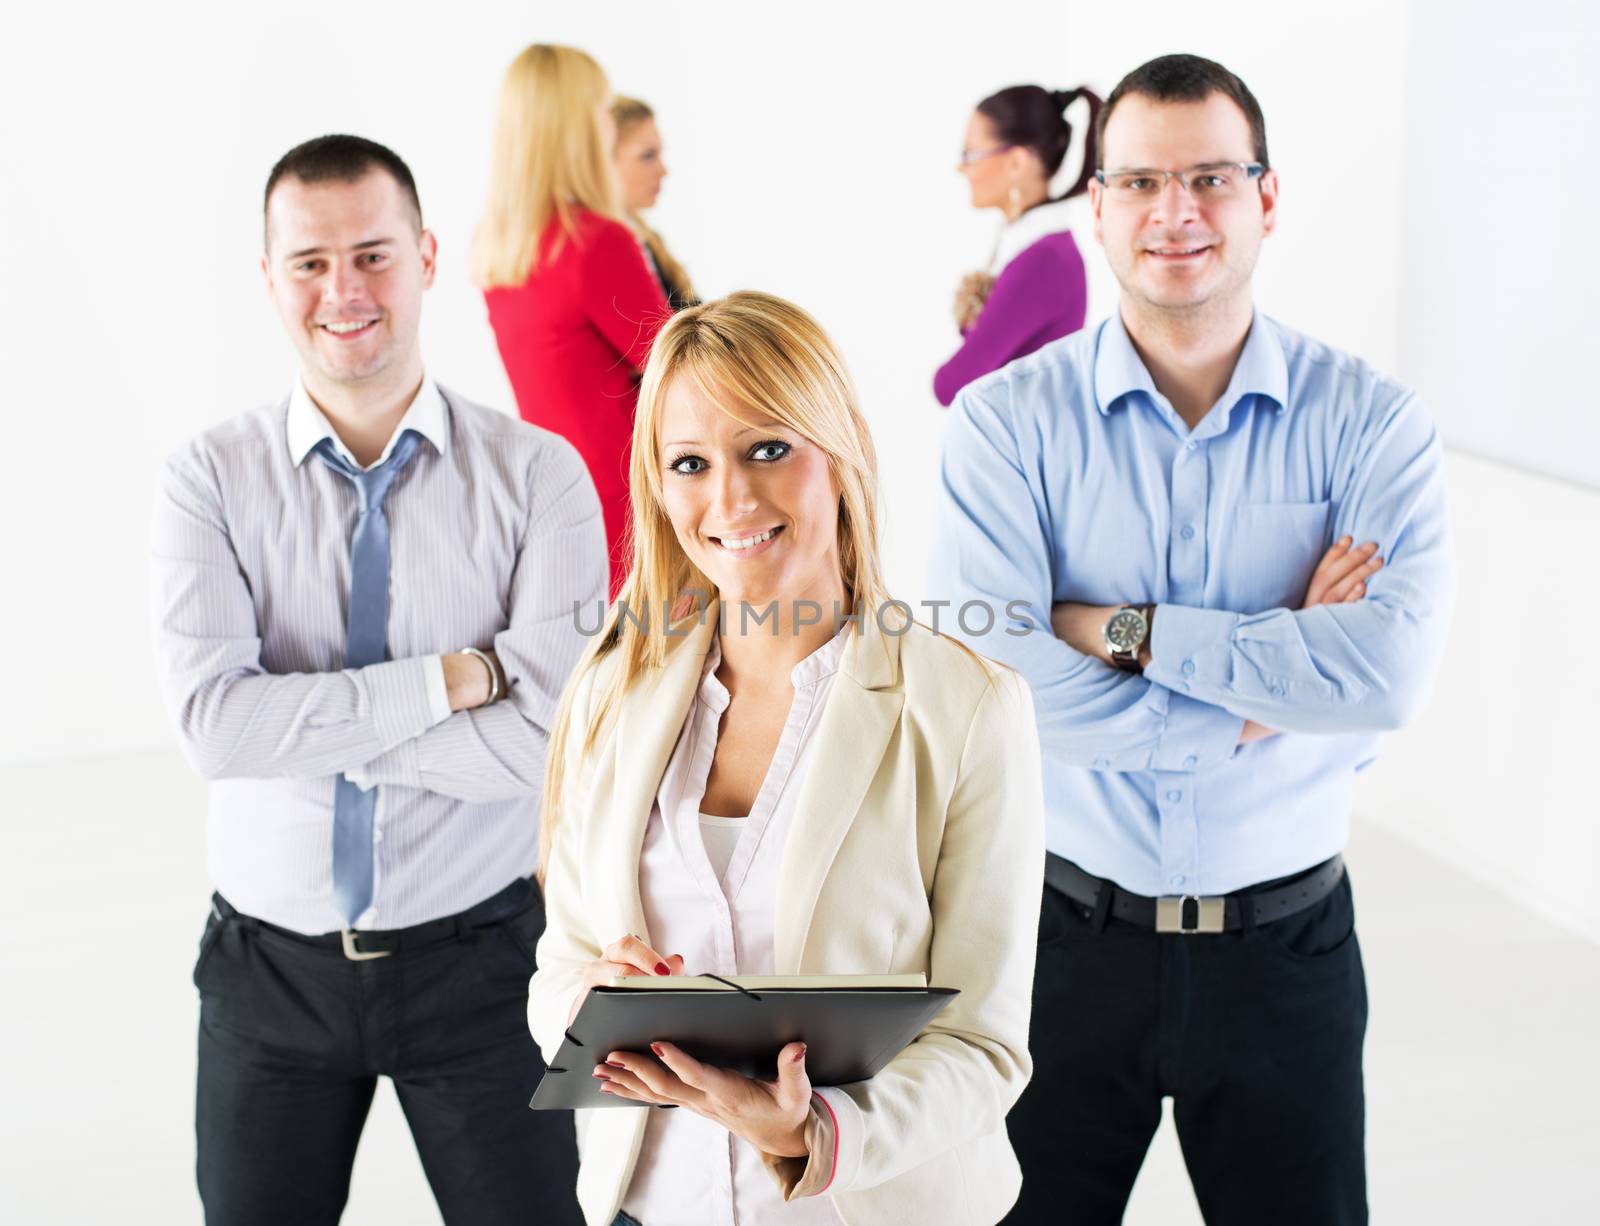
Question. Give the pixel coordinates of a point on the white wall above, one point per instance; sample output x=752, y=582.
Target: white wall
x=1494, y=777
x=813, y=155
x=1497, y=276
x=1499, y=263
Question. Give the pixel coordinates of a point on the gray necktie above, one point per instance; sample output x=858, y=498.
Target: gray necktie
x=366, y=634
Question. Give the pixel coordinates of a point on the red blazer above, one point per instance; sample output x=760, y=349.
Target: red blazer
x=574, y=339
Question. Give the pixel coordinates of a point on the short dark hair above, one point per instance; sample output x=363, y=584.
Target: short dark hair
x=1031, y=117
x=1186, y=78
x=343, y=158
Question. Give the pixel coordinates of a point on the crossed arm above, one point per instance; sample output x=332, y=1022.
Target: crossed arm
x=381, y=723
x=1357, y=656
x=1340, y=578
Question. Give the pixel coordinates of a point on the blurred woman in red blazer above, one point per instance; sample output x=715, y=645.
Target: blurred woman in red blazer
x=573, y=304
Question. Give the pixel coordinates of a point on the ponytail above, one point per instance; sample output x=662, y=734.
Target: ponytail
x=1033, y=118
x=1063, y=98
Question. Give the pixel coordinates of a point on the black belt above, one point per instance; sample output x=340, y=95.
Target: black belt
x=1190, y=913
x=378, y=943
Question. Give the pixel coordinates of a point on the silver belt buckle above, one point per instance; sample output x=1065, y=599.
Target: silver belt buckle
x=356, y=955
x=1209, y=914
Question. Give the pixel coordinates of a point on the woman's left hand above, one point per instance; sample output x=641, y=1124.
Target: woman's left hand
x=771, y=1115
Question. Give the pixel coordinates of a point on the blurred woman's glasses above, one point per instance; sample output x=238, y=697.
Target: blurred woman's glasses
x=969, y=156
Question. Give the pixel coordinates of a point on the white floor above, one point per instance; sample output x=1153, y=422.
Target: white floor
x=1482, y=1067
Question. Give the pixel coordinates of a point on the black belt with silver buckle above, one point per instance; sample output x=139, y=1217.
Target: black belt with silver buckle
x=364, y=945
x=1191, y=914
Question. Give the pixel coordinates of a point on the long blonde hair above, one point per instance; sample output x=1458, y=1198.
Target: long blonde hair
x=550, y=159
x=629, y=112
x=752, y=352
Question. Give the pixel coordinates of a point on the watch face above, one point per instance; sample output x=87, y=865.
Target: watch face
x=1125, y=631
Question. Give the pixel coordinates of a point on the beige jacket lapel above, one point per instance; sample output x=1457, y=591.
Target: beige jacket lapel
x=862, y=714
x=647, y=730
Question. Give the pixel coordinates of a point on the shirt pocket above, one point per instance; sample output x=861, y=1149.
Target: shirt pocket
x=1269, y=554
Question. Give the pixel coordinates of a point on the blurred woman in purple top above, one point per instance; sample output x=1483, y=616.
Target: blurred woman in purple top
x=1033, y=290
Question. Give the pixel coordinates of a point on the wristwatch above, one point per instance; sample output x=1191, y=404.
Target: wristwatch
x=1126, y=634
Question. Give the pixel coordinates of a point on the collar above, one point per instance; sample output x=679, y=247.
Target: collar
x=823, y=662
x=1261, y=369
x=307, y=426
x=1017, y=236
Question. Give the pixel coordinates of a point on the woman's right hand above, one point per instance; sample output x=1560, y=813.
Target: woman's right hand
x=625, y=956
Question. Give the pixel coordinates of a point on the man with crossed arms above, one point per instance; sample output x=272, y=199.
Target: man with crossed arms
x=364, y=607
x=1159, y=490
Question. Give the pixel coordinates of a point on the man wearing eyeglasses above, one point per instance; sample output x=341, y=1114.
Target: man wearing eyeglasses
x=1178, y=495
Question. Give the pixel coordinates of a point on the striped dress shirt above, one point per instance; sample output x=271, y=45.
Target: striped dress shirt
x=495, y=537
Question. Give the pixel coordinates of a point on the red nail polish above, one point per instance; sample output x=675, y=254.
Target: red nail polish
x=800, y=1055
x=614, y=1064
x=656, y=1047
x=663, y=969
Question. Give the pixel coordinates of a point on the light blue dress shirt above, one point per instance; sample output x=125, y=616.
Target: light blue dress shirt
x=1068, y=477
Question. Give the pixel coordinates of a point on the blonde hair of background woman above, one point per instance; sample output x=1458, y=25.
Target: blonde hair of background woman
x=747, y=351
x=628, y=112
x=549, y=160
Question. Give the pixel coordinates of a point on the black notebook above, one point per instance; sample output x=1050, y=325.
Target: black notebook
x=852, y=1025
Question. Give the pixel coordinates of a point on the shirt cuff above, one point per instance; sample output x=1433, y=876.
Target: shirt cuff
x=1192, y=649
x=1197, y=736
x=438, y=692
x=813, y=1174
x=398, y=692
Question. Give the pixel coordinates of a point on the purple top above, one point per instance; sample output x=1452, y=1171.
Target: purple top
x=1040, y=296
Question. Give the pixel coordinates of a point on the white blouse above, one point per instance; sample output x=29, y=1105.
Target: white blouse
x=720, y=917
x=721, y=836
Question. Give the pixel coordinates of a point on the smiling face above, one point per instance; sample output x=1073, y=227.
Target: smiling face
x=346, y=266
x=640, y=168
x=1172, y=253
x=752, y=502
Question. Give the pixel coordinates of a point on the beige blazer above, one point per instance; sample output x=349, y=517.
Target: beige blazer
x=917, y=845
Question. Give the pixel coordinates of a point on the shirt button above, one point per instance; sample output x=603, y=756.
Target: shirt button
x=1191, y=762
x=1188, y=668
x=1277, y=691
x=1178, y=879
x=1190, y=445
x=1188, y=532
x=1174, y=796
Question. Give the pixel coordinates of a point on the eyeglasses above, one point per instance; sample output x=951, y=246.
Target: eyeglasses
x=969, y=156
x=1218, y=181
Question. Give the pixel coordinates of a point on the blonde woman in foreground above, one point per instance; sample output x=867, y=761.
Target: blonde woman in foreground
x=640, y=170
x=804, y=795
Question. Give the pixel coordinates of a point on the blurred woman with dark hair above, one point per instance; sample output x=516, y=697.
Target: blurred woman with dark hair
x=1034, y=289
x=640, y=169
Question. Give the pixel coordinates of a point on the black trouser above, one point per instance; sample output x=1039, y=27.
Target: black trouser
x=294, y=1036
x=1255, y=1035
